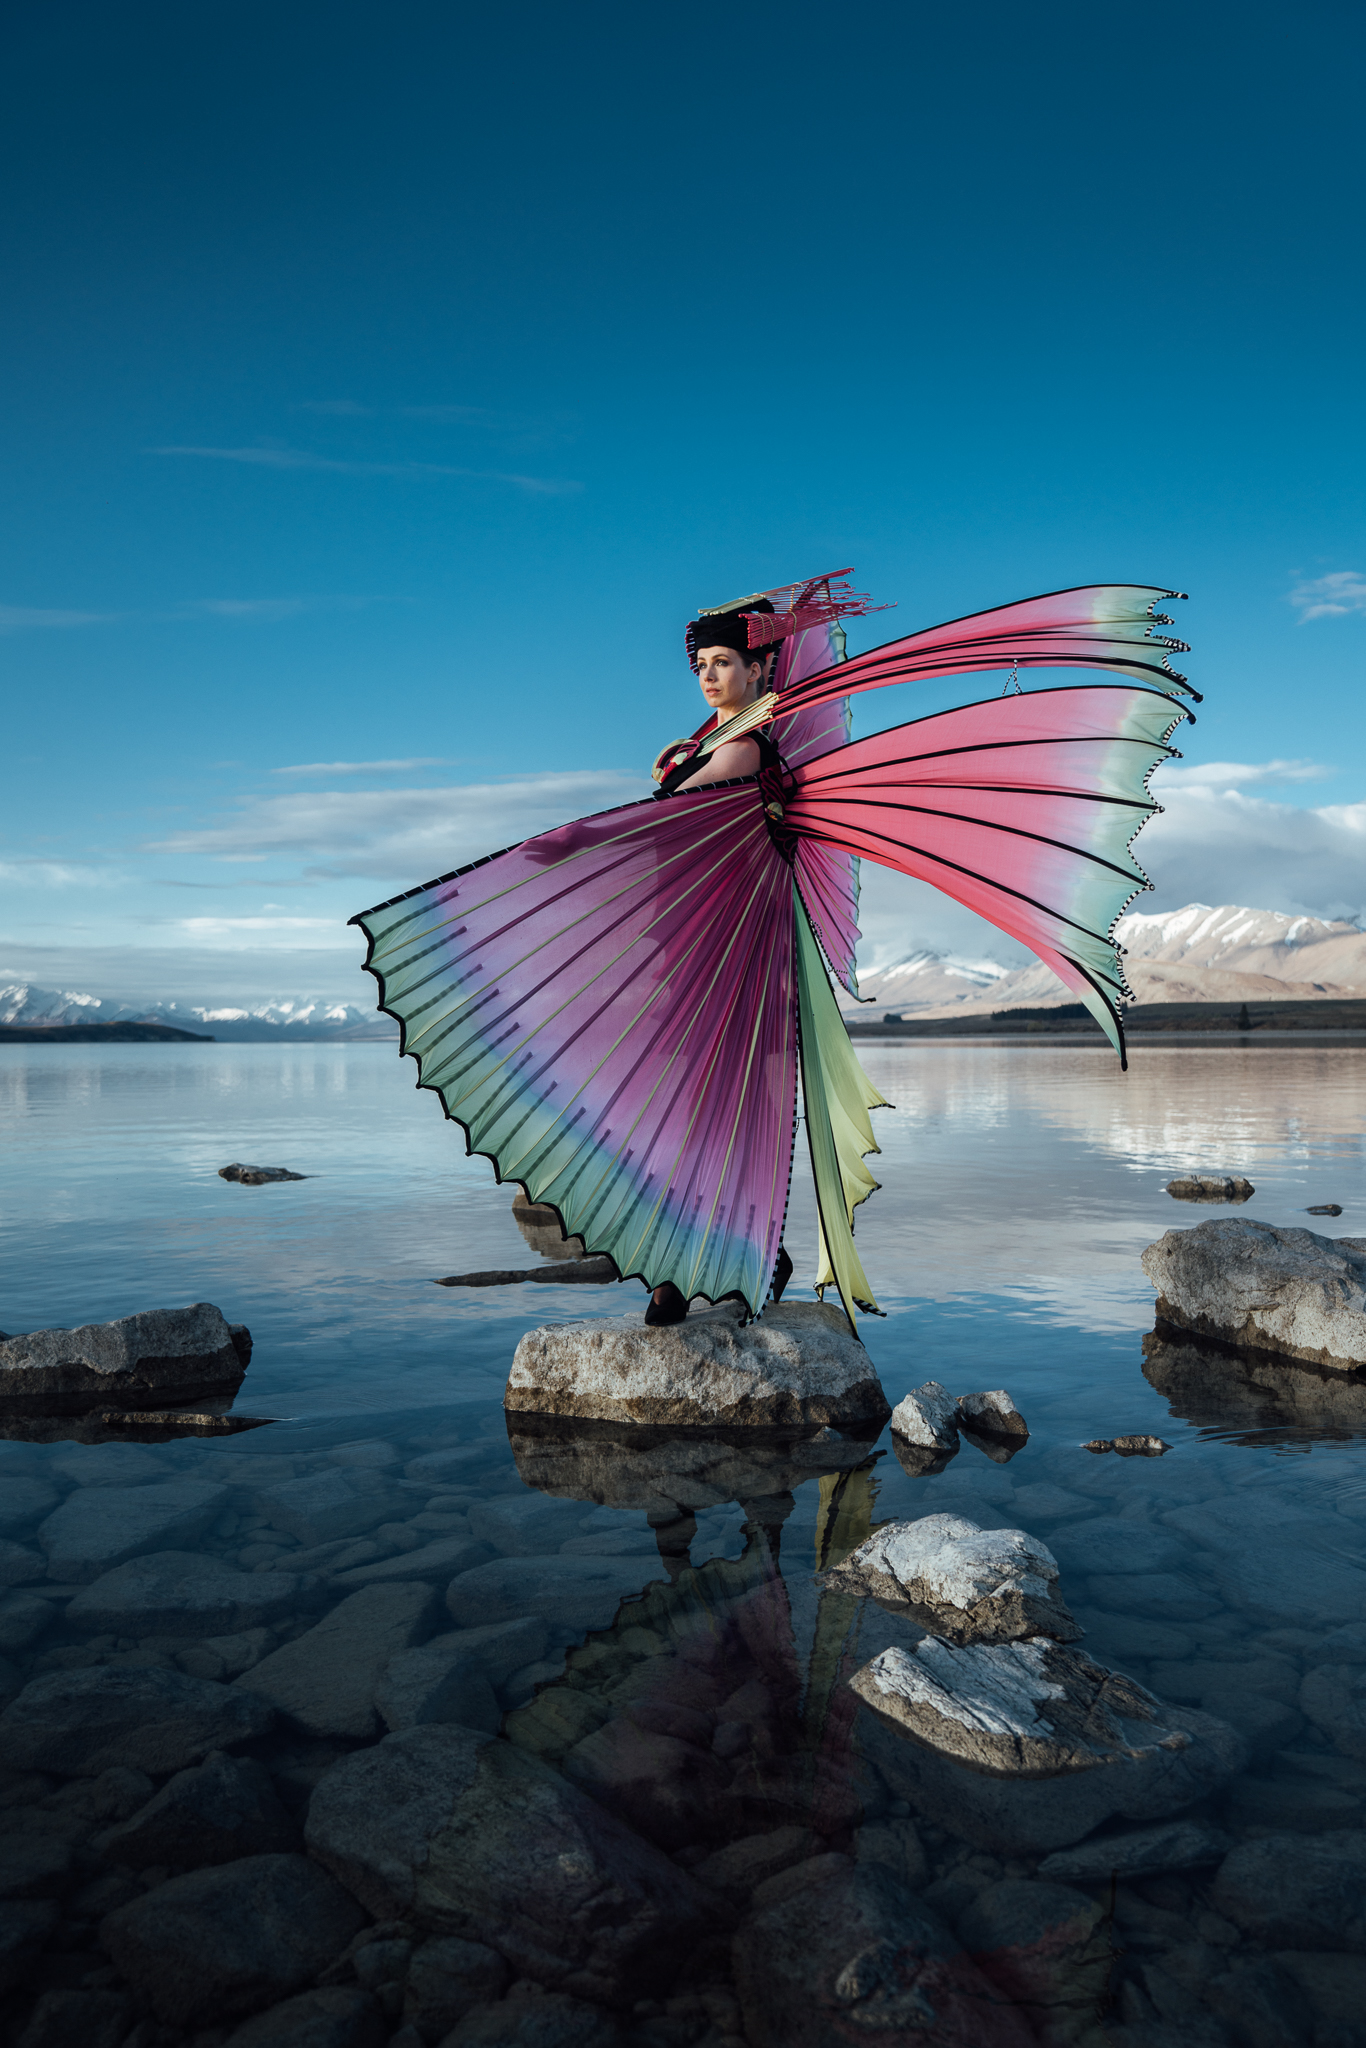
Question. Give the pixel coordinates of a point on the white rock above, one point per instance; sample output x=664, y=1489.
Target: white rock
x=1262, y=1288
x=970, y=1584
x=1027, y=1709
x=796, y=1364
x=928, y=1416
x=994, y=1414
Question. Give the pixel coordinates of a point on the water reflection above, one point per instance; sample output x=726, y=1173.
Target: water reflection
x=646, y=1613
x=1253, y=1397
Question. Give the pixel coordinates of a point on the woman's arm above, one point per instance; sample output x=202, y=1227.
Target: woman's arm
x=732, y=759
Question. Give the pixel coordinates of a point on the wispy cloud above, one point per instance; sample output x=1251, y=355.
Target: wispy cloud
x=302, y=458
x=367, y=767
x=211, y=927
x=403, y=834
x=21, y=618
x=1330, y=597
x=37, y=870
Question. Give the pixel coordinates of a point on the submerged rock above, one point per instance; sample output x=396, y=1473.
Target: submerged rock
x=79, y=1723
x=229, y=1940
x=1296, y=1891
x=336, y=2016
x=1045, y=1947
x=97, y=1528
x=796, y=1365
x=859, y=1957
x=1261, y=1288
x=573, y=1271
x=161, y=1356
x=1142, y=1852
x=1211, y=1187
x=325, y=1680
x=185, y=1593
x=224, y=1808
x=960, y=1581
x=1128, y=1446
x=1334, y=1698
x=258, y=1176
x=472, y=1837
x=446, y=1979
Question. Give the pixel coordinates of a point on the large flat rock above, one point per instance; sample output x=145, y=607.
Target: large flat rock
x=796, y=1365
x=1261, y=1288
x=163, y=1356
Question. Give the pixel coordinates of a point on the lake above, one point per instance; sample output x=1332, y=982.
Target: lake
x=680, y=1669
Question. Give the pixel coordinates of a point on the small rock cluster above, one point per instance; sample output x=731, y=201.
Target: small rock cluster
x=927, y=1425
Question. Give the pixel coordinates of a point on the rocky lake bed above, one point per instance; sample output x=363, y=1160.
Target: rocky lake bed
x=415, y=1720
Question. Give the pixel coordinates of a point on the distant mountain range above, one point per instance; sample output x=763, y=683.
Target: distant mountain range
x=1194, y=955
x=292, y=1018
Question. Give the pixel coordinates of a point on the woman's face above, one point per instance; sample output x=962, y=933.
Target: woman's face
x=727, y=679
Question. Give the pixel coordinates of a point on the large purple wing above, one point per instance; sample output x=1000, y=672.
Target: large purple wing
x=609, y=1012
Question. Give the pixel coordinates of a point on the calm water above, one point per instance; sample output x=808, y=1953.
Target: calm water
x=1020, y=1185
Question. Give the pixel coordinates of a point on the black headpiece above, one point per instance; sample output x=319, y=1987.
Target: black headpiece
x=731, y=629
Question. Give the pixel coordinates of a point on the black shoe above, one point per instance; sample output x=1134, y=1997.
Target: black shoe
x=782, y=1273
x=672, y=1309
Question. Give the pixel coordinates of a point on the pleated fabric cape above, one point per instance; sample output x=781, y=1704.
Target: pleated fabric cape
x=619, y=1013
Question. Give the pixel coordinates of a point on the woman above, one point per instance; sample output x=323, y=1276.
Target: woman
x=618, y=1012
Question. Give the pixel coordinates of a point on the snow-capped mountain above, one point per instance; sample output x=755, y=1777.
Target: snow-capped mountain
x=1195, y=955
x=295, y=1018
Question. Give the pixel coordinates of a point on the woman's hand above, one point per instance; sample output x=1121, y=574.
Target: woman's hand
x=730, y=760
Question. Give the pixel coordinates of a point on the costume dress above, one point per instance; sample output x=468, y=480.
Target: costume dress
x=618, y=1013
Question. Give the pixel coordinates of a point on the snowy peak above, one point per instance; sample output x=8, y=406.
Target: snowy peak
x=1199, y=954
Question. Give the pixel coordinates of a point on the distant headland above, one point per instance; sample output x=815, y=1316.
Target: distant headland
x=98, y=1034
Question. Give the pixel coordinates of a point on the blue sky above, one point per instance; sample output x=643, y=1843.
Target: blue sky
x=384, y=387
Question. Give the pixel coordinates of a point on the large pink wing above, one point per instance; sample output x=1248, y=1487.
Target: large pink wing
x=608, y=1011
x=1022, y=807
x=1103, y=625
